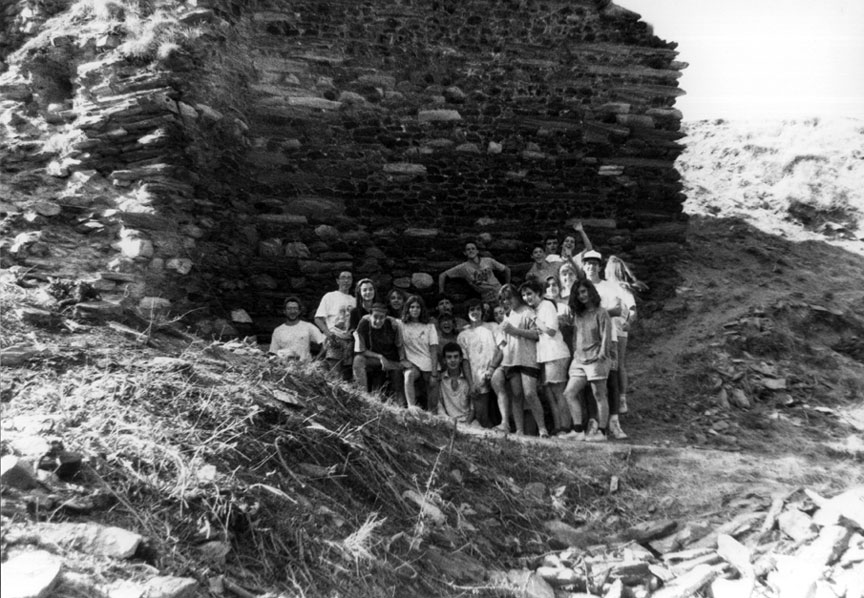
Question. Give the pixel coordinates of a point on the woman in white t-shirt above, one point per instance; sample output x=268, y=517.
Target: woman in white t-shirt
x=420, y=339
x=519, y=362
x=553, y=356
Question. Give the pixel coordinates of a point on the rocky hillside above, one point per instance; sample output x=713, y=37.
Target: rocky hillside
x=786, y=177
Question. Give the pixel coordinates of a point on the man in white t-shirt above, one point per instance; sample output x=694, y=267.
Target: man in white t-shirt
x=295, y=338
x=332, y=318
x=478, y=272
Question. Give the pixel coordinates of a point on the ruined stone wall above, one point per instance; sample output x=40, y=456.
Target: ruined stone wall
x=293, y=140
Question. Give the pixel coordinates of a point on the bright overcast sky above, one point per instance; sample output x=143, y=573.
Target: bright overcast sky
x=764, y=58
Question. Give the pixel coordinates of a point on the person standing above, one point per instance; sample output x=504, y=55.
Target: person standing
x=612, y=300
x=480, y=350
x=591, y=360
x=519, y=363
x=553, y=356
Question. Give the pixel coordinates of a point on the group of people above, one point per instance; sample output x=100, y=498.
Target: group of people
x=545, y=357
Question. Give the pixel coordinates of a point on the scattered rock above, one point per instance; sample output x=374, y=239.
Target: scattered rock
x=459, y=567
x=421, y=281
x=168, y=586
x=30, y=574
x=92, y=538
x=16, y=473
x=154, y=304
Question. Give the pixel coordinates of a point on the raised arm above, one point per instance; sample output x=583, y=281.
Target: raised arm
x=577, y=226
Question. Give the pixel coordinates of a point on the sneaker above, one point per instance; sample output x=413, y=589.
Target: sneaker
x=592, y=428
x=596, y=436
x=615, y=430
x=622, y=404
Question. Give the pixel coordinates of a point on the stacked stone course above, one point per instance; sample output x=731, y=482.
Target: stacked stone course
x=308, y=137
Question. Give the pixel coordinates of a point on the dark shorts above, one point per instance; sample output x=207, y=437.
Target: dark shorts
x=516, y=370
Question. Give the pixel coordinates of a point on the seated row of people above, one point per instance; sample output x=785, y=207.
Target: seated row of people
x=557, y=341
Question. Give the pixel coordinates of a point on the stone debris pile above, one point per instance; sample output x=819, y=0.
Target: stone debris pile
x=795, y=546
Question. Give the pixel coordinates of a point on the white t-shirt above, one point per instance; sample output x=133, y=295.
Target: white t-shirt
x=549, y=348
x=417, y=338
x=335, y=308
x=519, y=350
x=610, y=297
x=295, y=341
x=478, y=346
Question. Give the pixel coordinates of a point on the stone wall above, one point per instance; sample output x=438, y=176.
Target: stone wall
x=292, y=140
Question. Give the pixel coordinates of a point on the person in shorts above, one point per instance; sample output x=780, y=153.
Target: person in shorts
x=591, y=360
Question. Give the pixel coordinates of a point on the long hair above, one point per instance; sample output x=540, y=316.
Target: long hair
x=618, y=271
x=360, y=283
x=577, y=308
x=509, y=290
x=424, y=314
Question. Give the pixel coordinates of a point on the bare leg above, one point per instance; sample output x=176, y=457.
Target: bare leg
x=571, y=395
x=532, y=401
x=431, y=392
x=623, y=380
x=499, y=386
x=359, y=369
x=599, y=389
x=518, y=403
x=560, y=412
x=411, y=375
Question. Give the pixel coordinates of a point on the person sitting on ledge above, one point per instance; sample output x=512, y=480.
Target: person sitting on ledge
x=332, y=319
x=478, y=272
x=455, y=388
x=295, y=338
x=380, y=351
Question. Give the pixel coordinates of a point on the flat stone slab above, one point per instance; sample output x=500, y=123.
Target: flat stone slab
x=438, y=116
x=30, y=574
x=92, y=538
x=168, y=586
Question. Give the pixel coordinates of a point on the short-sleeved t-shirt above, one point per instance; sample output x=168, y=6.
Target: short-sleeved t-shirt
x=478, y=346
x=481, y=276
x=543, y=271
x=417, y=339
x=335, y=308
x=611, y=296
x=455, y=396
x=590, y=328
x=385, y=340
x=518, y=350
x=550, y=348
x=294, y=341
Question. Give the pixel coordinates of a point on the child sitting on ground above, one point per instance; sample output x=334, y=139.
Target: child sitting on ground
x=454, y=389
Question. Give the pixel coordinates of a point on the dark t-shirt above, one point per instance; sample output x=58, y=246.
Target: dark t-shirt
x=356, y=315
x=382, y=340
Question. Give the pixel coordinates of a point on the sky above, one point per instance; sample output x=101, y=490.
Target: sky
x=753, y=59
